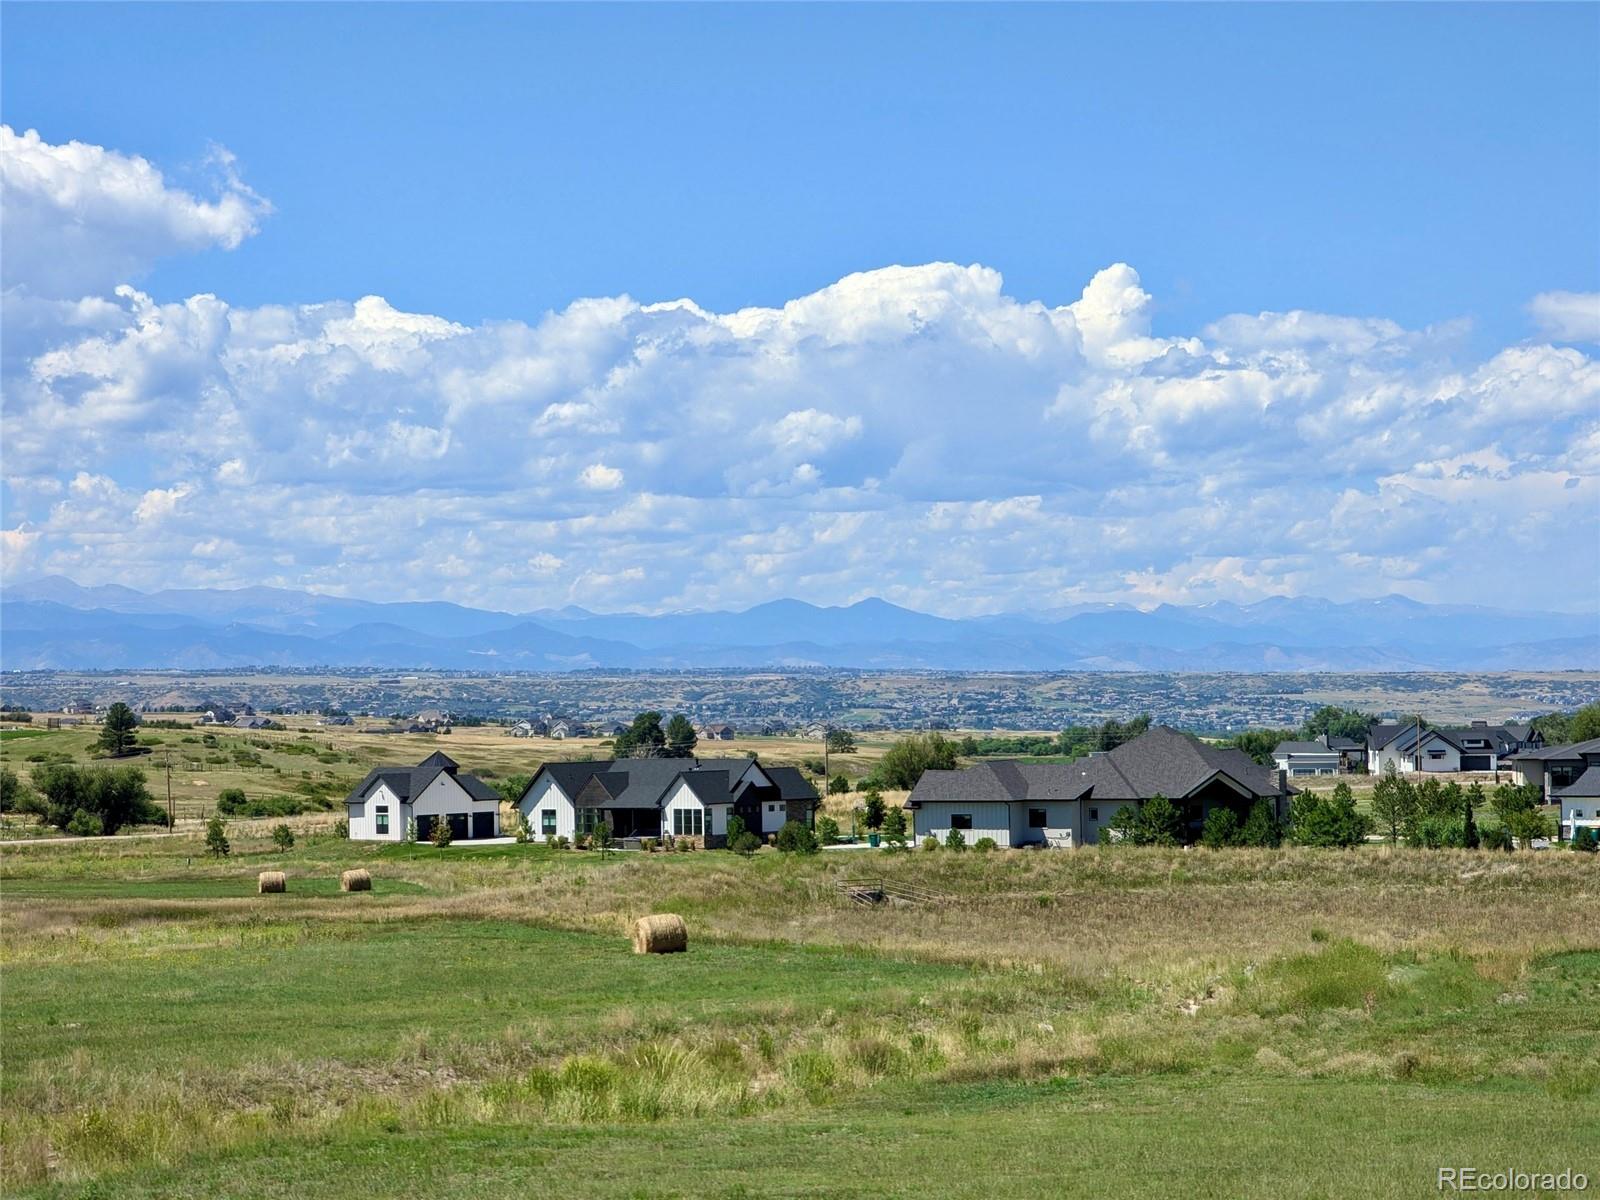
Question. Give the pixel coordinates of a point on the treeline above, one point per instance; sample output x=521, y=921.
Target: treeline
x=1074, y=741
x=88, y=801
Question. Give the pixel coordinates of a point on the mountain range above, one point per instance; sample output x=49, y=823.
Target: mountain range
x=53, y=623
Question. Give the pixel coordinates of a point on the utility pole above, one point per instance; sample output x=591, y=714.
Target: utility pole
x=167, y=756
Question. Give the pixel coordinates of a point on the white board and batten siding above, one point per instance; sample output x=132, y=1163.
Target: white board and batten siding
x=714, y=819
x=445, y=796
x=547, y=796
x=363, y=816
x=989, y=819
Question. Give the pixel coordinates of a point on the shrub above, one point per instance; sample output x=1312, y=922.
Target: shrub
x=440, y=834
x=984, y=844
x=685, y=845
x=930, y=842
x=341, y=828
x=1584, y=840
x=746, y=843
x=230, y=800
x=1327, y=821
x=217, y=838
x=648, y=845
x=1221, y=829
x=736, y=827
x=14, y=794
x=1261, y=827
x=1497, y=837
x=561, y=842
x=283, y=837
x=85, y=824
x=116, y=795
x=796, y=837
x=827, y=830
x=838, y=786
x=1156, y=822
x=955, y=840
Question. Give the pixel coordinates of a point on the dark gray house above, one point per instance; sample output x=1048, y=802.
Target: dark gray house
x=1068, y=804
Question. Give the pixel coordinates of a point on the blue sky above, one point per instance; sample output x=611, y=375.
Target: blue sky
x=1335, y=220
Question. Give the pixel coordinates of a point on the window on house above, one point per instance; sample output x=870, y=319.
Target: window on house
x=688, y=822
x=547, y=822
x=960, y=820
x=1094, y=814
x=381, y=817
x=1435, y=753
x=1037, y=818
x=588, y=818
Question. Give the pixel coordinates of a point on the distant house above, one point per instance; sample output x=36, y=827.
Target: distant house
x=216, y=716
x=1555, y=768
x=430, y=720
x=1307, y=758
x=384, y=804
x=1070, y=804
x=339, y=720
x=564, y=727
x=522, y=729
x=716, y=733
x=1479, y=746
x=251, y=723
x=656, y=797
x=816, y=730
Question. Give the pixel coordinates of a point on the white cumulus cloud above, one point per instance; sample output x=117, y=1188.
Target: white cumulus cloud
x=78, y=218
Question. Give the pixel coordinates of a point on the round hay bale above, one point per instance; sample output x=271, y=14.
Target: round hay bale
x=355, y=881
x=271, y=881
x=664, y=933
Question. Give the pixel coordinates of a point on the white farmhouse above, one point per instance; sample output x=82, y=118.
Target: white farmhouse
x=659, y=797
x=383, y=805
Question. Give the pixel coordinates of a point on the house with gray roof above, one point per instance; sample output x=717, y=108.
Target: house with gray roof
x=659, y=797
x=1555, y=768
x=1069, y=804
x=383, y=805
x=1479, y=746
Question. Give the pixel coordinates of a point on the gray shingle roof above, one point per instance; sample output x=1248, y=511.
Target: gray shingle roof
x=1304, y=748
x=644, y=782
x=1561, y=753
x=791, y=783
x=1585, y=786
x=406, y=782
x=1161, y=761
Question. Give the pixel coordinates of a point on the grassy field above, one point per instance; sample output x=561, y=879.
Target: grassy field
x=1254, y=1023
x=326, y=761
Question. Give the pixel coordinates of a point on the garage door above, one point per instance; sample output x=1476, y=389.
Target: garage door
x=424, y=829
x=458, y=827
x=483, y=825
x=1474, y=762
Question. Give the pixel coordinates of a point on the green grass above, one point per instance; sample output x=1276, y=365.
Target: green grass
x=16, y=735
x=356, y=994
x=1233, y=1138
x=202, y=887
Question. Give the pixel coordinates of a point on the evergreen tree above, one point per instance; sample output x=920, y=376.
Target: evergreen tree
x=875, y=811
x=1469, y=832
x=643, y=739
x=217, y=838
x=681, y=737
x=117, y=734
x=894, y=828
x=1394, y=803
